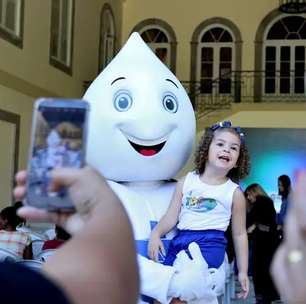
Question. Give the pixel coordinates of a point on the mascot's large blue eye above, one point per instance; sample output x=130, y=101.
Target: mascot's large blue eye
x=123, y=101
x=170, y=103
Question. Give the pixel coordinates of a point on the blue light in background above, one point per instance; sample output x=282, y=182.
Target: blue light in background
x=274, y=152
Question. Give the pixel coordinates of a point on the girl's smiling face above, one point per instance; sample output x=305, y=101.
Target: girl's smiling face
x=224, y=150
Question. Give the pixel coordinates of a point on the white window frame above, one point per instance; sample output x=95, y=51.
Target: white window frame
x=12, y=35
x=278, y=44
x=57, y=60
x=216, y=59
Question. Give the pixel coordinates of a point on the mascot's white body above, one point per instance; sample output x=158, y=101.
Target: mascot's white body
x=141, y=133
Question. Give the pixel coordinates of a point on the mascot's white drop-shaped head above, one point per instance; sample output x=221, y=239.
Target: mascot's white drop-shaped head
x=141, y=122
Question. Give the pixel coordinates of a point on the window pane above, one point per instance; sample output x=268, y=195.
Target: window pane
x=149, y=35
x=225, y=78
x=300, y=53
x=207, y=70
x=217, y=31
x=55, y=17
x=161, y=53
x=293, y=23
x=285, y=53
x=206, y=86
x=299, y=69
x=207, y=54
x=226, y=54
x=285, y=69
x=61, y=27
x=226, y=37
x=285, y=85
x=270, y=86
x=64, y=32
x=225, y=70
x=161, y=37
x=270, y=53
x=270, y=69
x=225, y=86
x=302, y=31
x=154, y=35
x=277, y=31
x=207, y=37
x=299, y=85
x=10, y=15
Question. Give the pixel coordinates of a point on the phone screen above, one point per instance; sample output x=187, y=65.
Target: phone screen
x=58, y=141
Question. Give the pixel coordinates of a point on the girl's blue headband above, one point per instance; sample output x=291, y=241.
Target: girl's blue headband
x=228, y=124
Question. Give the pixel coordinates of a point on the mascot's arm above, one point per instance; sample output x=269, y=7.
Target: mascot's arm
x=188, y=279
x=155, y=279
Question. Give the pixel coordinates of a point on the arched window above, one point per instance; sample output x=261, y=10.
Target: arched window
x=157, y=39
x=284, y=56
x=107, y=37
x=216, y=59
x=161, y=38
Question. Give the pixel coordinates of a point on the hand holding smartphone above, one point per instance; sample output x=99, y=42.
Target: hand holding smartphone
x=59, y=133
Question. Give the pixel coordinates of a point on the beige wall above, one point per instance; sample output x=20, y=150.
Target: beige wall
x=26, y=74
x=184, y=17
x=22, y=105
x=31, y=63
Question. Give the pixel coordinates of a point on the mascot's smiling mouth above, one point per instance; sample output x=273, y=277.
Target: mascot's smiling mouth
x=147, y=150
x=146, y=147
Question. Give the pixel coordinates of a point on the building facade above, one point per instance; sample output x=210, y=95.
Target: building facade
x=242, y=59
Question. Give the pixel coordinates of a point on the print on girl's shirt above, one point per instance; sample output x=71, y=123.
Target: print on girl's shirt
x=194, y=201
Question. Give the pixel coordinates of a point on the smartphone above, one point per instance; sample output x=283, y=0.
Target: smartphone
x=59, y=133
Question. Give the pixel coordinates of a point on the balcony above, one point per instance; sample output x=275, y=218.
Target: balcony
x=246, y=87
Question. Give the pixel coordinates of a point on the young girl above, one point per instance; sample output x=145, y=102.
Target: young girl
x=206, y=199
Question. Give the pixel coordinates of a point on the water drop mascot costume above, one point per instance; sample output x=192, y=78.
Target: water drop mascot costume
x=141, y=132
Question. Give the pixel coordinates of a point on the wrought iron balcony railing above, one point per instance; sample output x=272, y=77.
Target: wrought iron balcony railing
x=246, y=86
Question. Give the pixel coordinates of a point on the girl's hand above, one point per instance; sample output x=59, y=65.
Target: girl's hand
x=244, y=283
x=155, y=246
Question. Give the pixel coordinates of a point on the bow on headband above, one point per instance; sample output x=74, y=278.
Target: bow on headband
x=228, y=124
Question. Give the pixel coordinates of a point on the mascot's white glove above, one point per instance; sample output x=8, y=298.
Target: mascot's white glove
x=192, y=279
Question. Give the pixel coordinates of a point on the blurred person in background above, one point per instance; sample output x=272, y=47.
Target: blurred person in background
x=262, y=227
x=61, y=236
x=17, y=242
x=284, y=189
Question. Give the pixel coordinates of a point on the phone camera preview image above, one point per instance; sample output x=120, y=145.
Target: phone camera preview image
x=57, y=143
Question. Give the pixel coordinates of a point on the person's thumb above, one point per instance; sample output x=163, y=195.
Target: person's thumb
x=63, y=177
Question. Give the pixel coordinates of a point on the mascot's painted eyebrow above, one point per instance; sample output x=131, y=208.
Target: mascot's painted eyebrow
x=172, y=82
x=119, y=78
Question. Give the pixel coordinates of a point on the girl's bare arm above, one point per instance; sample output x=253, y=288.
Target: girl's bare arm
x=169, y=220
x=240, y=240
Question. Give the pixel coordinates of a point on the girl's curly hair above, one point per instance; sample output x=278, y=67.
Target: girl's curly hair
x=242, y=168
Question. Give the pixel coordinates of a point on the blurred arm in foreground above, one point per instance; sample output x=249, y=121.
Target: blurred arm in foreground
x=98, y=264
